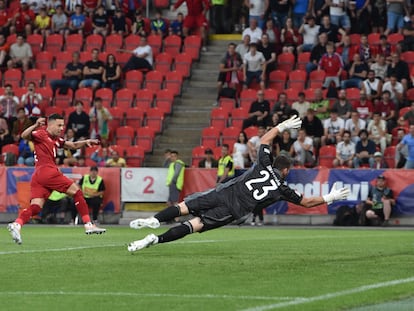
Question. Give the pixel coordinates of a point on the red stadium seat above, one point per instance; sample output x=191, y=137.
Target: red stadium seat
x=172, y=45
x=74, y=43
x=52, y=74
x=33, y=75
x=10, y=148
x=163, y=62
x=145, y=138
x=132, y=42
x=230, y=135
x=403, y=111
x=173, y=82
x=197, y=154
x=277, y=79
x=210, y=136
x=154, y=80
x=219, y=117
x=135, y=117
x=238, y=116
x=164, y=100
x=54, y=109
x=155, y=119
x=316, y=79
x=247, y=96
x=133, y=79
x=297, y=79
x=292, y=95
x=13, y=77
x=144, y=98
x=135, y=156
x=125, y=135
x=389, y=156
x=47, y=95
x=192, y=46
x=182, y=63
x=285, y=62
x=373, y=38
x=44, y=60
x=355, y=38
x=36, y=43
x=62, y=59
x=227, y=103
x=118, y=116
x=251, y=131
x=395, y=38
x=113, y=43
x=124, y=98
x=303, y=59
x=54, y=43
x=326, y=156
x=271, y=96
x=155, y=42
x=64, y=100
x=93, y=41
x=85, y=95
x=106, y=94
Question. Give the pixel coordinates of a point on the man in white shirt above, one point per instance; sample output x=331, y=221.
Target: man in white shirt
x=253, y=31
x=301, y=105
x=354, y=125
x=333, y=129
x=345, y=151
x=310, y=31
x=395, y=88
x=377, y=130
x=303, y=149
x=21, y=54
x=254, y=67
x=141, y=57
x=253, y=144
x=372, y=86
x=337, y=12
x=257, y=10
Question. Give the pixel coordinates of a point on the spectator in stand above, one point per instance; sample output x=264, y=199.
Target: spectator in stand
x=408, y=116
x=303, y=150
x=241, y=152
x=59, y=23
x=253, y=144
x=387, y=110
x=400, y=69
x=20, y=54
x=301, y=105
x=338, y=11
x=208, y=161
x=364, y=107
x=395, y=16
x=99, y=117
x=115, y=160
x=195, y=18
x=345, y=151
x=100, y=21
x=71, y=75
x=141, y=57
x=333, y=31
x=378, y=15
x=333, y=129
x=5, y=137
x=159, y=25
x=22, y=19
x=90, y=6
x=243, y=47
x=313, y=127
x=20, y=124
x=282, y=108
x=111, y=76
x=317, y=52
x=319, y=8
x=42, y=23
x=283, y=145
x=258, y=112
x=401, y=153
x=253, y=31
x=225, y=170
x=101, y=155
x=357, y=73
x=26, y=155
x=119, y=24
x=176, y=27
x=331, y=63
x=79, y=122
x=408, y=140
x=289, y=37
x=309, y=30
x=138, y=27
x=320, y=105
x=364, y=150
x=273, y=35
x=299, y=10
x=239, y=13
x=354, y=125
x=346, y=50
x=395, y=90
x=342, y=105
x=92, y=72
x=377, y=130
x=380, y=67
x=408, y=32
x=230, y=64
x=31, y=101
x=257, y=10
x=359, y=16
x=379, y=161
x=8, y=105
x=77, y=21
x=5, y=19
x=279, y=11
x=268, y=51
x=218, y=17
x=70, y=6
x=254, y=67
x=365, y=51
x=4, y=51
x=384, y=48
x=372, y=86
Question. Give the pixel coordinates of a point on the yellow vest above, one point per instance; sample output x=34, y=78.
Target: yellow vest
x=222, y=164
x=88, y=188
x=218, y=2
x=56, y=196
x=170, y=175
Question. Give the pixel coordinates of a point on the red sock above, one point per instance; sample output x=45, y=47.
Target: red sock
x=27, y=213
x=81, y=206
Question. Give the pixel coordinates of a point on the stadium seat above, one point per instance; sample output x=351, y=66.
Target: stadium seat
x=144, y=98
x=36, y=43
x=303, y=59
x=54, y=109
x=297, y=79
x=145, y=138
x=113, y=43
x=316, y=79
x=292, y=95
x=10, y=148
x=155, y=42
x=155, y=119
x=118, y=116
x=352, y=94
x=125, y=135
x=52, y=74
x=164, y=100
x=247, y=96
x=154, y=80
x=121, y=150
x=47, y=95
x=410, y=94
x=210, y=137
x=271, y=96
x=355, y=38
x=122, y=58
x=73, y=43
x=219, y=117
x=64, y=100
x=374, y=39
x=217, y=150
x=85, y=56
x=227, y=103
x=277, y=79
x=44, y=60
x=286, y=62
x=408, y=57
x=103, y=57
x=389, y=156
x=54, y=43
x=182, y=63
x=135, y=156
x=251, y=131
x=238, y=116
x=326, y=156
x=403, y=111
x=132, y=42
x=197, y=154
x=13, y=77
x=33, y=75
x=11, y=38
x=173, y=82
x=309, y=94
x=192, y=46
x=106, y=94
x=163, y=62
x=230, y=135
x=85, y=95
x=93, y=41
x=124, y=98
x=133, y=79
x=395, y=38
x=172, y=45
x=62, y=59
x=135, y=117
x=161, y=4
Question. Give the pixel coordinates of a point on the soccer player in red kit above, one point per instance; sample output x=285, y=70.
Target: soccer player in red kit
x=47, y=176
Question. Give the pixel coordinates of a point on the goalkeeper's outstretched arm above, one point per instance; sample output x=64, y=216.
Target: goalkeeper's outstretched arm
x=333, y=195
x=292, y=123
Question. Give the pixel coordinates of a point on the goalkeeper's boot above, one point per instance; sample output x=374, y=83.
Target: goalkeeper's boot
x=14, y=229
x=149, y=240
x=139, y=223
x=91, y=228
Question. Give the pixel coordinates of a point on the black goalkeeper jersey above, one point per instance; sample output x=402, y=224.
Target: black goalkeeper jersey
x=261, y=185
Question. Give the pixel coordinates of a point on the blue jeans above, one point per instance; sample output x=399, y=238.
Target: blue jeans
x=279, y=19
x=64, y=83
x=394, y=20
x=341, y=21
x=409, y=164
x=250, y=75
x=260, y=21
x=311, y=67
x=353, y=82
x=298, y=19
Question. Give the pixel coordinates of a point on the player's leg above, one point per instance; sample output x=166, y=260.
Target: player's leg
x=387, y=211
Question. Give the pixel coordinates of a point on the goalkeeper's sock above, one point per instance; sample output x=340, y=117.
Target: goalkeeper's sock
x=27, y=213
x=81, y=206
x=168, y=214
x=176, y=233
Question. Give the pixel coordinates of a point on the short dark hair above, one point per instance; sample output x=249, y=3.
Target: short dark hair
x=226, y=146
x=363, y=131
x=94, y=168
x=55, y=116
x=281, y=162
x=174, y=152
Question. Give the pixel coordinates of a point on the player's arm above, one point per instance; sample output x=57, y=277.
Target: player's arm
x=80, y=143
x=27, y=133
x=292, y=123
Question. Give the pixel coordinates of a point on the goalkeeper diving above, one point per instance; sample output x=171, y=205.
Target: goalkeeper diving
x=261, y=185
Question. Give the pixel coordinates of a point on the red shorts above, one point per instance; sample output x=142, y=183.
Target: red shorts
x=46, y=179
x=191, y=22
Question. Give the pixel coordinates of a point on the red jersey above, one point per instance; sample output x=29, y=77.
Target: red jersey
x=4, y=17
x=363, y=110
x=25, y=17
x=331, y=64
x=194, y=7
x=45, y=147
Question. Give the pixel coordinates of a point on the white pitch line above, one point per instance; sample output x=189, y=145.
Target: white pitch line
x=45, y=250
x=128, y=294
x=355, y=290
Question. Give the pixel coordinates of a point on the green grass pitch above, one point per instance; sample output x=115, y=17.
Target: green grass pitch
x=271, y=268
